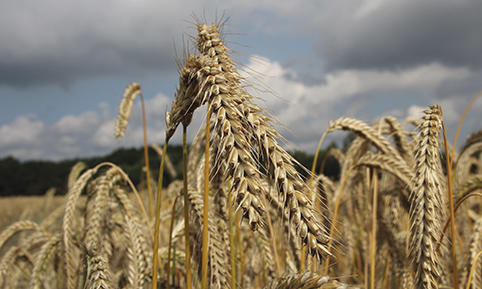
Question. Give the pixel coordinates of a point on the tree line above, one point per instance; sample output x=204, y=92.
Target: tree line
x=36, y=177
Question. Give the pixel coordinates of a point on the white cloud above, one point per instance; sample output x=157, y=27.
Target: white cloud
x=302, y=109
x=23, y=130
x=77, y=124
x=306, y=109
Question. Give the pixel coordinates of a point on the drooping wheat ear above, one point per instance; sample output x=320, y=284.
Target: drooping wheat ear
x=96, y=215
x=306, y=280
x=130, y=93
x=400, y=138
x=75, y=173
x=187, y=98
x=219, y=85
x=134, y=264
x=282, y=214
x=292, y=190
x=391, y=165
x=426, y=205
x=241, y=126
x=8, y=260
x=141, y=243
x=362, y=129
x=325, y=190
x=67, y=226
x=338, y=154
x=16, y=228
x=40, y=266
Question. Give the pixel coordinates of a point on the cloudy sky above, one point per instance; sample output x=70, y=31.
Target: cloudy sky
x=64, y=65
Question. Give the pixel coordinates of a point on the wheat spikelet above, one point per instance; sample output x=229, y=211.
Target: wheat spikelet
x=219, y=272
x=16, y=228
x=130, y=93
x=96, y=215
x=336, y=153
x=365, y=130
x=292, y=190
x=75, y=173
x=98, y=275
x=21, y=250
x=305, y=280
x=231, y=148
x=266, y=251
x=140, y=242
x=135, y=264
x=70, y=254
x=41, y=261
x=400, y=138
x=187, y=98
x=391, y=165
x=426, y=204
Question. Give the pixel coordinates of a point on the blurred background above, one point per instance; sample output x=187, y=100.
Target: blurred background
x=64, y=66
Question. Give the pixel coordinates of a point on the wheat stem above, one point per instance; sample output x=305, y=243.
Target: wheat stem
x=186, y=209
x=335, y=215
x=374, y=230
x=155, y=253
x=462, y=121
x=448, y=158
x=232, y=243
x=171, y=226
x=472, y=269
x=205, y=239
x=146, y=159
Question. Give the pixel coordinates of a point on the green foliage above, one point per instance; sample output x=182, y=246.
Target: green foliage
x=330, y=166
x=36, y=177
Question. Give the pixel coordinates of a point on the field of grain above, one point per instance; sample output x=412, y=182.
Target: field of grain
x=405, y=212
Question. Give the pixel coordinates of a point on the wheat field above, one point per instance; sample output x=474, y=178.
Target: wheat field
x=405, y=212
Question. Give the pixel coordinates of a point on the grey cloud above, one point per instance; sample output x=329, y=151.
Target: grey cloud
x=464, y=87
x=59, y=42
x=399, y=34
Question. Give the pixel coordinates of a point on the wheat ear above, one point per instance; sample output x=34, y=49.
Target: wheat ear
x=72, y=197
x=130, y=93
x=426, y=202
x=16, y=228
x=41, y=262
x=306, y=280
